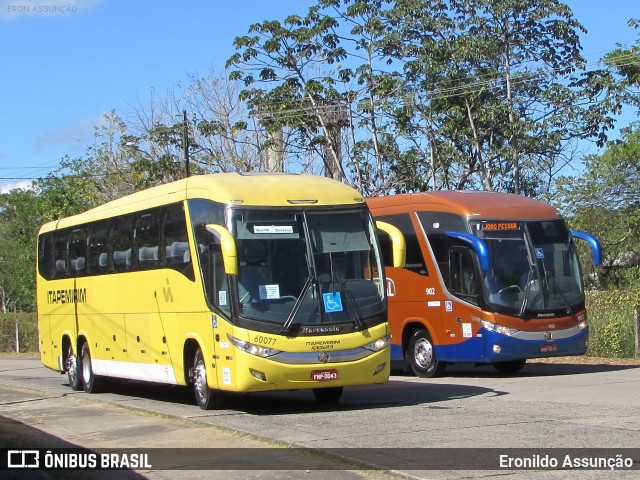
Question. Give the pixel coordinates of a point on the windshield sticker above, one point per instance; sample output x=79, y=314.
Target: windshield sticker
x=332, y=302
x=273, y=229
x=539, y=253
x=269, y=292
x=222, y=297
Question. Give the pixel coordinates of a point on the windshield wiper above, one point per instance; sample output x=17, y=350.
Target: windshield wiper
x=527, y=290
x=548, y=275
x=352, y=303
x=296, y=306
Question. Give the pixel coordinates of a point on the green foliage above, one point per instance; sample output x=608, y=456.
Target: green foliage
x=611, y=322
x=477, y=94
x=27, y=325
x=605, y=201
x=20, y=217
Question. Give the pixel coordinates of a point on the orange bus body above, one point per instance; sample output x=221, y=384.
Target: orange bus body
x=442, y=308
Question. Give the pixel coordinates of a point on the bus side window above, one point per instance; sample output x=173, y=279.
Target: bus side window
x=147, y=239
x=98, y=252
x=60, y=254
x=46, y=264
x=175, y=241
x=122, y=242
x=216, y=282
x=415, y=259
x=462, y=275
x=78, y=252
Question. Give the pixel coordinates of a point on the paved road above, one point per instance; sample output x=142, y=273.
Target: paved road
x=548, y=405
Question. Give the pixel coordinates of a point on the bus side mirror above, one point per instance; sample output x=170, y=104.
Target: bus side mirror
x=228, y=247
x=399, y=245
x=596, y=248
x=477, y=244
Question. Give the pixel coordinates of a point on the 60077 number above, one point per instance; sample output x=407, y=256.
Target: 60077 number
x=264, y=340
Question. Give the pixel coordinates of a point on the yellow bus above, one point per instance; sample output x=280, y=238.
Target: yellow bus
x=225, y=282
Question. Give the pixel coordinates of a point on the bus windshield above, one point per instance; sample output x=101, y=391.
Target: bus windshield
x=308, y=268
x=534, y=267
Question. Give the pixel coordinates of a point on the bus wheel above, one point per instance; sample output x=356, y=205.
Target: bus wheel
x=206, y=397
x=91, y=382
x=73, y=370
x=510, y=367
x=422, y=357
x=328, y=395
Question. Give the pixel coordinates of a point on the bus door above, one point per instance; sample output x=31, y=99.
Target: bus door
x=461, y=322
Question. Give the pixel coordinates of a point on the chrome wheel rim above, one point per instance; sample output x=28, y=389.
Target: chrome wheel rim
x=423, y=353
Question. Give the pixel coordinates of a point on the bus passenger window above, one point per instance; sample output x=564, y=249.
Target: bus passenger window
x=175, y=240
x=98, y=253
x=60, y=255
x=147, y=239
x=122, y=243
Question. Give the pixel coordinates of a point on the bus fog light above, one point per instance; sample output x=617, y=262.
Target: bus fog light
x=379, y=368
x=259, y=375
x=497, y=349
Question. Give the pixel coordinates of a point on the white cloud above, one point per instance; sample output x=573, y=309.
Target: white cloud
x=72, y=136
x=22, y=184
x=11, y=10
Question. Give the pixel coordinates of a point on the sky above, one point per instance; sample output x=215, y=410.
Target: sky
x=66, y=63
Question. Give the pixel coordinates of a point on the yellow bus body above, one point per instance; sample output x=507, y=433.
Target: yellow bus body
x=146, y=324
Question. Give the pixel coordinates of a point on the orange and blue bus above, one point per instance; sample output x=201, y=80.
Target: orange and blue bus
x=490, y=278
x=225, y=282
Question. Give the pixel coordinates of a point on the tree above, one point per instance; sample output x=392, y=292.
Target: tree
x=20, y=219
x=501, y=92
x=489, y=94
x=220, y=137
x=605, y=201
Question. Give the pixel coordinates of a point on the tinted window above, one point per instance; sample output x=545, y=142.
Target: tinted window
x=415, y=258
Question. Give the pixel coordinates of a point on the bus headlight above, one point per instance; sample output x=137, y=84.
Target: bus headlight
x=252, y=348
x=379, y=344
x=494, y=327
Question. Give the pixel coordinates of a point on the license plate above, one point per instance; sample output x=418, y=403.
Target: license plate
x=549, y=348
x=324, y=375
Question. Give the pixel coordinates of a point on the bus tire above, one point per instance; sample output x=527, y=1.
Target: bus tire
x=328, y=395
x=90, y=381
x=421, y=356
x=207, y=398
x=510, y=367
x=73, y=367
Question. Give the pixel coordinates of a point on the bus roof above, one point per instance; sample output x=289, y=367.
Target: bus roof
x=254, y=189
x=467, y=203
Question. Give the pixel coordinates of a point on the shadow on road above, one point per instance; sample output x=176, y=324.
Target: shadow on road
x=389, y=395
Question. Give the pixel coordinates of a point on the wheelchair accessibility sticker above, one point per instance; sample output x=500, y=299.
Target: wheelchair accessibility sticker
x=332, y=302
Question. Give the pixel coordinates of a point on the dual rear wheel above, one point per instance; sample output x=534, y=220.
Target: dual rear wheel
x=80, y=373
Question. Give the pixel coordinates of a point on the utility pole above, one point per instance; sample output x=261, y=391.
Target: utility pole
x=185, y=141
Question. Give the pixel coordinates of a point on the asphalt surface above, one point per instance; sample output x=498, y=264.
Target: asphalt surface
x=548, y=405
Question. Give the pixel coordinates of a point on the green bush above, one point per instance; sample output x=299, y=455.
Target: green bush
x=611, y=315
x=27, y=332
